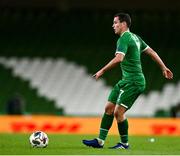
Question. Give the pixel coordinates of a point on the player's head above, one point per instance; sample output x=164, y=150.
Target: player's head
x=122, y=22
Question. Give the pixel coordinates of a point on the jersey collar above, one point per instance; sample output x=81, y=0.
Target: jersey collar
x=124, y=32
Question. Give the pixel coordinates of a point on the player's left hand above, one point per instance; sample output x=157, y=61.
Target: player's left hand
x=167, y=73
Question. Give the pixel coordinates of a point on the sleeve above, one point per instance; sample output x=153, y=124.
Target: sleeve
x=144, y=46
x=122, y=44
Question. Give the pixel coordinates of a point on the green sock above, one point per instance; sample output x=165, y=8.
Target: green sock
x=123, y=131
x=106, y=124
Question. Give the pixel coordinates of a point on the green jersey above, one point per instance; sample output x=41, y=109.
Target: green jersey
x=131, y=46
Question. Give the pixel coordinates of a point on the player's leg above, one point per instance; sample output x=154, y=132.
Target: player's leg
x=106, y=124
x=122, y=123
x=106, y=121
x=128, y=94
x=108, y=116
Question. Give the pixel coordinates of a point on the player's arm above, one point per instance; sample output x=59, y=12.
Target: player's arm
x=116, y=60
x=166, y=72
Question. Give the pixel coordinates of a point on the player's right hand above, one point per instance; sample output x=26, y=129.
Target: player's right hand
x=98, y=74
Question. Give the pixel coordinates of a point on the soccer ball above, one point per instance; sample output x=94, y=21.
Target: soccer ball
x=39, y=139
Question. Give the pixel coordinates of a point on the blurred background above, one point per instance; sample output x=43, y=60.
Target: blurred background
x=50, y=49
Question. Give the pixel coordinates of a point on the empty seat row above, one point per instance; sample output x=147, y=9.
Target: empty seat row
x=72, y=88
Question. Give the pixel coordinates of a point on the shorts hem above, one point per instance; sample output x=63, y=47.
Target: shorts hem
x=124, y=105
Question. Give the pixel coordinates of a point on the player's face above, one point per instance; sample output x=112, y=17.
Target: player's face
x=117, y=26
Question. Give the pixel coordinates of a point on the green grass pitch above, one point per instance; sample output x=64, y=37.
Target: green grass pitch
x=18, y=144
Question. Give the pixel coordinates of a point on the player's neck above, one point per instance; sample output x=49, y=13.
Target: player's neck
x=123, y=31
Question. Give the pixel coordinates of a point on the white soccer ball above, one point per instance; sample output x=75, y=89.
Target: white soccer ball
x=39, y=139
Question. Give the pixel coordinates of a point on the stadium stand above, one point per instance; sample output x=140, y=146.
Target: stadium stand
x=66, y=83
x=10, y=86
x=74, y=90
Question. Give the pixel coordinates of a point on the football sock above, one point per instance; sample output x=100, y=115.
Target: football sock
x=100, y=141
x=123, y=131
x=106, y=124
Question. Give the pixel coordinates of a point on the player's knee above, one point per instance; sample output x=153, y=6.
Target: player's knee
x=119, y=116
x=109, y=109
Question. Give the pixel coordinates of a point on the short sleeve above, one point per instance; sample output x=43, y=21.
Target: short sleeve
x=144, y=46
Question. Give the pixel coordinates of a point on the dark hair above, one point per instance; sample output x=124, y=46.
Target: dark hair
x=123, y=17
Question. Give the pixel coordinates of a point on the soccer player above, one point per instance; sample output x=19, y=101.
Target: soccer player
x=126, y=91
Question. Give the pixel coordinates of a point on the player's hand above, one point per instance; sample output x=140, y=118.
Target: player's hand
x=167, y=73
x=98, y=74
